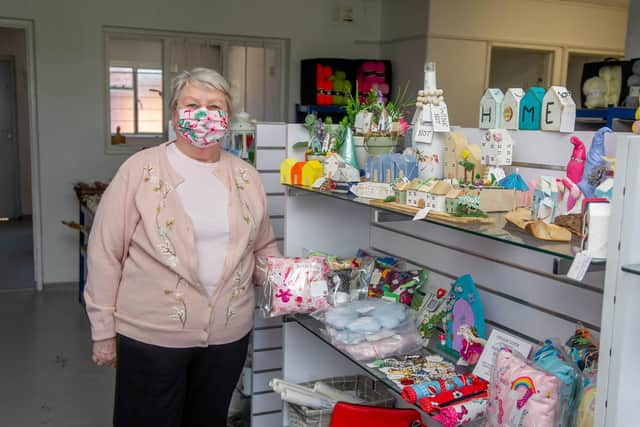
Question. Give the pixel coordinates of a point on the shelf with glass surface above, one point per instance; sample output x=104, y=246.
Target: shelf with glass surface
x=316, y=328
x=632, y=268
x=499, y=229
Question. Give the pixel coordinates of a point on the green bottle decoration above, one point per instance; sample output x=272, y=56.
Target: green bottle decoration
x=348, y=149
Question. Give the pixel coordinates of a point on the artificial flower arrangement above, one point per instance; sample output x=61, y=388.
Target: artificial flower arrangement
x=376, y=118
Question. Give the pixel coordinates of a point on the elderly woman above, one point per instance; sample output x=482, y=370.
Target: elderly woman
x=171, y=257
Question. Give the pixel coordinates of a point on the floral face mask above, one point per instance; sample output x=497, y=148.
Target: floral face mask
x=201, y=127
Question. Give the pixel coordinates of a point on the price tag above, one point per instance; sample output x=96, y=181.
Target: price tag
x=422, y=214
x=498, y=340
x=319, y=289
x=318, y=182
x=424, y=133
x=426, y=113
x=359, y=124
x=440, y=115
x=405, y=180
x=579, y=266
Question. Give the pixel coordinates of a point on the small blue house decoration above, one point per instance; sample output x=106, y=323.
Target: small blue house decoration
x=531, y=108
x=463, y=308
x=389, y=168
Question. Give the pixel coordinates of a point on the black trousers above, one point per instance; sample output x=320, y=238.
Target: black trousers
x=175, y=387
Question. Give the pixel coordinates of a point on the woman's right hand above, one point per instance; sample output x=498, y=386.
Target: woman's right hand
x=104, y=352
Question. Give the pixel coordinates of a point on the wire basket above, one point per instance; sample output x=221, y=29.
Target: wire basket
x=365, y=388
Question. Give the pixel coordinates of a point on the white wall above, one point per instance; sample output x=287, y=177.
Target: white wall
x=12, y=42
x=461, y=34
x=632, y=48
x=70, y=79
x=404, y=42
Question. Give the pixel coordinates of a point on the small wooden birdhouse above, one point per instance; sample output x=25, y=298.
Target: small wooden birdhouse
x=296, y=173
x=558, y=110
x=511, y=108
x=491, y=109
x=311, y=171
x=531, y=109
x=497, y=148
x=285, y=170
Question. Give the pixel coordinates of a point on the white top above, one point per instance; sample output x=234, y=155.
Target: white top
x=205, y=199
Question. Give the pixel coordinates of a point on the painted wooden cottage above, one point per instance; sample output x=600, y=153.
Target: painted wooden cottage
x=285, y=170
x=531, y=109
x=311, y=171
x=558, y=110
x=511, y=108
x=491, y=109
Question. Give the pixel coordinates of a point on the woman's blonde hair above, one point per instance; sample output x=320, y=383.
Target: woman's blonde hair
x=200, y=77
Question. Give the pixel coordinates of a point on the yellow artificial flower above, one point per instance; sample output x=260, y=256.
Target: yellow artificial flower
x=465, y=154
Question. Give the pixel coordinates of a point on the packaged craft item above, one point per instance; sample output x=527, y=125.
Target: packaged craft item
x=555, y=361
x=393, y=284
x=522, y=394
x=295, y=285
x=462, y=413
x=372, y=329
x=414, y=370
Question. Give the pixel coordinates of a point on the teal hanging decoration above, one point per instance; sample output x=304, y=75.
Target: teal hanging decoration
x=348, y=150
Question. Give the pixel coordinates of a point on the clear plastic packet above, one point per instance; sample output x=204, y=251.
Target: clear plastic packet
x=552, y=358
x=522, y=394
x=584, y=414
x=294, y=285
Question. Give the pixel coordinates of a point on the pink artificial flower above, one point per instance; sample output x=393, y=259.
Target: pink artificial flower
x=497, y=136
x=402, y=123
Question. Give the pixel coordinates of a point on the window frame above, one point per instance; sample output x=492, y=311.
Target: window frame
x=139, y=141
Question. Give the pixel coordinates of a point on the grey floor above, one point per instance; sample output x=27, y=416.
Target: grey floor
x=46, y=374
x=16, y=254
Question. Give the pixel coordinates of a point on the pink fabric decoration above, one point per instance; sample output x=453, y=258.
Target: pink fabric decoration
x=521, y=394
x=297, y=285
x=575, y=167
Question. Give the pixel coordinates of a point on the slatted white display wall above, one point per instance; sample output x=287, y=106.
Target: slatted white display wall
x=519, y=290
x=266, y=406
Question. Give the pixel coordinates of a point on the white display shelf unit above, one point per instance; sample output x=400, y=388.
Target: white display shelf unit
x=519, y=288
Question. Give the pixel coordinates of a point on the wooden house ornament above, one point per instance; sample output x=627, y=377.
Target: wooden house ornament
x=311, y=171
x=285, y=170
x=531, y=109
x=558, y=110
x=438, y=196
x=418, y=193
x=296, y=173
x=511, y=108
x=491, y=109
x=455, y=145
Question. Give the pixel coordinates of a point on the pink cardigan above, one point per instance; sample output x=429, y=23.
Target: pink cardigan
x=142, y=264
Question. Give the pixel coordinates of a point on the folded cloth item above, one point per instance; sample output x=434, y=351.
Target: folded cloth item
x=340, y=317
x=365, y=324
x=433, y=404
x=397, y=344
x=461, y=413
x=414, y=392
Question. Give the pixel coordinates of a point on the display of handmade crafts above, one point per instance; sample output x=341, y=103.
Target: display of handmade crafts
x=464, y=308
x=596, y=166
x=472, y=345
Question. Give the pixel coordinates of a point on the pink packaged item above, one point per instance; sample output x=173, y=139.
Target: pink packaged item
x=461, y=413
x=295, y=285
x=521, y=394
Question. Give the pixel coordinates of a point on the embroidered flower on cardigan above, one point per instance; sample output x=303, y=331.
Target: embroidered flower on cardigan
x=166, y=248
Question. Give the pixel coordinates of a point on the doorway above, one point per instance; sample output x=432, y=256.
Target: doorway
x=520, y=67
x=16, y=223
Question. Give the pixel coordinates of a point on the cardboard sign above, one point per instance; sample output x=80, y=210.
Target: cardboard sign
x=424, y=133
x=440, y=115
x=498, y=340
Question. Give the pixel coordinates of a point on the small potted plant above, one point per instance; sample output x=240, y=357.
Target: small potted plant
x=377, y=126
